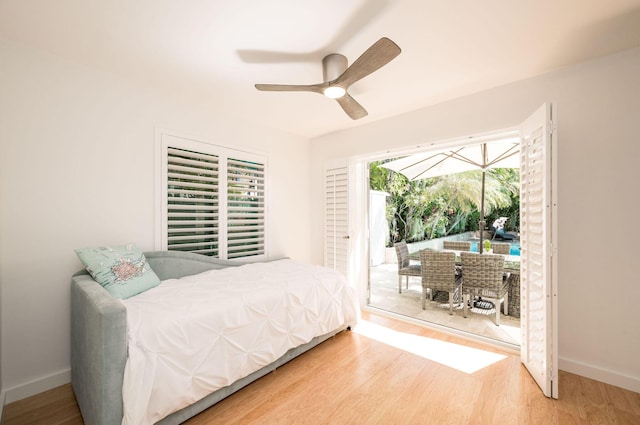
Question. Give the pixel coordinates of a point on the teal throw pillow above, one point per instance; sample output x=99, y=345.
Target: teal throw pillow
x=121, y=270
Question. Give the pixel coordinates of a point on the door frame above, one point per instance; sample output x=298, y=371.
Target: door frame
x=359, y=203
x=360, y=223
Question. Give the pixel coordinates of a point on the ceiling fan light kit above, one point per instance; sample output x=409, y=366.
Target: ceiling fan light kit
x=334, y=92
x=338, y=77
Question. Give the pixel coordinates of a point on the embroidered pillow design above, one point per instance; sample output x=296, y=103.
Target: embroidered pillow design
x=126, y=269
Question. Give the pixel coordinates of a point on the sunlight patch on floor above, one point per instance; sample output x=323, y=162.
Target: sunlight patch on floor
x=460, y=357
x=514, y=332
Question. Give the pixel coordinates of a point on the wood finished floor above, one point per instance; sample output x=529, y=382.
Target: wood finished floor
x=355, y=379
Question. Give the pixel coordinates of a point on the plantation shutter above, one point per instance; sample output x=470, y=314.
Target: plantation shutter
x=245, y=209
x=212, y=199
x=336, y=218
x=192, y=202
x=538, y=254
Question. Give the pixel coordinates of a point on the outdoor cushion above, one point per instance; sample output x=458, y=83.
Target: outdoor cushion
x=500, y=234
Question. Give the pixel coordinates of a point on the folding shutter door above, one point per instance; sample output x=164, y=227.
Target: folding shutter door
x=336, y=218
x=539, y=330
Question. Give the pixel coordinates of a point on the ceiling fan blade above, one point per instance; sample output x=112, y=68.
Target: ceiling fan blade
x=315, y=88
x=352, y=107
x=375, y=57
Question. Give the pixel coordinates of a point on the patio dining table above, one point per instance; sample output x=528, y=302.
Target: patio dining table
x=511, y=262
x=511, y=266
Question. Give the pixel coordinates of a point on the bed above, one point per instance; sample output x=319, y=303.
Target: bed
x=210, y=328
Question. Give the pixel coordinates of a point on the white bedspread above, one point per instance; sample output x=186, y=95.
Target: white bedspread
x=191, y=336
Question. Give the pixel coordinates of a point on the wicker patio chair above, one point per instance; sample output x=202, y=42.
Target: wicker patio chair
x=405, y=268
x=457, y=245
x=483, y=275
x=501, y=248
x=439, y=274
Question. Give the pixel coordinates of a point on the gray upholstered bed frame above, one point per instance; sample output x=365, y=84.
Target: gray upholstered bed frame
x=99, y=342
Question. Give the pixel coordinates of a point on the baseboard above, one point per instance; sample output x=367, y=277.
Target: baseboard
x=3, y=397
x=37, y=386
x=608, y=377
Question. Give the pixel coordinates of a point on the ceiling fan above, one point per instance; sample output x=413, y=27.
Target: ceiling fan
x=338, y=77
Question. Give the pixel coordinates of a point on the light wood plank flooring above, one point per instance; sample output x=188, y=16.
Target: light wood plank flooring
x=356, y=379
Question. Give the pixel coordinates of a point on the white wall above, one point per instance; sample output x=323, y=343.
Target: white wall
x=378, y=227
x=2, y=392
x=76, y=170
x=598, y=106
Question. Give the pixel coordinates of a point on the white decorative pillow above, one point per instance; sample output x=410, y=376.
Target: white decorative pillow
x=121, y=270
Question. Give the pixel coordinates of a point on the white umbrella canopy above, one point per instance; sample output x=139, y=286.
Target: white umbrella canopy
x=503, y=153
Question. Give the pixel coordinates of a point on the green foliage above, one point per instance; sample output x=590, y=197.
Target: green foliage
x=509, y=179
x=439, y=206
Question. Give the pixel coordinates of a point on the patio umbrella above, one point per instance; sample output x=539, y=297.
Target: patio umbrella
x=503, y=153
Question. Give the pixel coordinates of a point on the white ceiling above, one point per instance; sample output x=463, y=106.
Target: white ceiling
x=213, y=51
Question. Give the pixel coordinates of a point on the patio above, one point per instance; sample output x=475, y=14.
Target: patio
x=385, y=296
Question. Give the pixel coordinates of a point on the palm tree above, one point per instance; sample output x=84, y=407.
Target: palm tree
x=463, y=191
x=441, y=205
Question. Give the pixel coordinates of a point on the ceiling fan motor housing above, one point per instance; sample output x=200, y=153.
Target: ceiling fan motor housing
x=333, y=66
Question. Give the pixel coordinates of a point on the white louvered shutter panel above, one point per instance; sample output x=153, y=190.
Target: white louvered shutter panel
x=211, y=199
x=537, y=322
x=192, y=202
x=336, y=219
x=245, y=208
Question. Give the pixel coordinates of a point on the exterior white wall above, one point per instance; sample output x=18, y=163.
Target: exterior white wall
x=378, y=227
x=77, y=170
x=598, y=105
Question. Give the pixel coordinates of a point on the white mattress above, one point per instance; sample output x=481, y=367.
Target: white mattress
x=191, y=336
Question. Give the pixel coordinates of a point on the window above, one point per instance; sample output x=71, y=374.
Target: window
x=212, y=199
x=245, y=208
